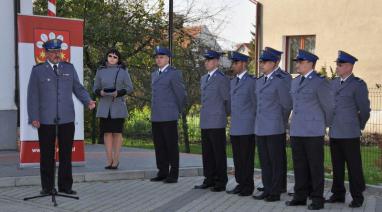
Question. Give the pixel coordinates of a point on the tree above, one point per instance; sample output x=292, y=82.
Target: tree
x=132, y=26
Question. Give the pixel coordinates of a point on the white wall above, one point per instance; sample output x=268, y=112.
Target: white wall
x=7, y=55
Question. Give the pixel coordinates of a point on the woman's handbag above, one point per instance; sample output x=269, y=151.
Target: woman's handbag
x=113, y=89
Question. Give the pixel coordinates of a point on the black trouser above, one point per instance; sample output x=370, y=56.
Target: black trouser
x=243, y=148
x=347, y=151
x=214, y=156
x=308, y=163
x=271, y=150
x=165, y=136
x=47, y=135
x=285, y=165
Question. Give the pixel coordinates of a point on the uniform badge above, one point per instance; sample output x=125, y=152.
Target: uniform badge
x=48, y=80
x=43, y=35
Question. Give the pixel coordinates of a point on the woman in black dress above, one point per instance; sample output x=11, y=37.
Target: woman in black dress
x=112, y=83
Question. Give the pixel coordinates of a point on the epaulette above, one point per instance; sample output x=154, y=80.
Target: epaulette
x=358, y=79
x=38, y=64
x=279, y=76
x=220, y=72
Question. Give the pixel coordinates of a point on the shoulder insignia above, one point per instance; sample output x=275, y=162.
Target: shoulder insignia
x=38, y=64
x=220, y=72
x=280, y=76
x=359, y=80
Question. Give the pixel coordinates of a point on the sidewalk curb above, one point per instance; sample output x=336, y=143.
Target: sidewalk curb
x=101, y=176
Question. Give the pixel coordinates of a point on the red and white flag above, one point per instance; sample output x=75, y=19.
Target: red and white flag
x=51, y=7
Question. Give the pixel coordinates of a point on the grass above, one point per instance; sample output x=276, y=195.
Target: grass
x=370, y=156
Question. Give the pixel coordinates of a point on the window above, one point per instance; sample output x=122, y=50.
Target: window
x=293, y=43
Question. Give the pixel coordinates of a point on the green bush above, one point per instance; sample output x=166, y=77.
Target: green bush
x=138, y=123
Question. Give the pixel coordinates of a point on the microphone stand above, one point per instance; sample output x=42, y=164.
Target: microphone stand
x=54, y=192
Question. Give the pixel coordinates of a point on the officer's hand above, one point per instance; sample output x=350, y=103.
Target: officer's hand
x=114, y=94
x=92, y=105
x=36, y=124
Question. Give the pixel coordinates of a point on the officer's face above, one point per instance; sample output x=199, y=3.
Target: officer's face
x=267, y=67
x=303, y=66
x=112, y=59
x=238, y=66
x=344, y=69
x=161, y=60
x=54, y=56
x=211, y=64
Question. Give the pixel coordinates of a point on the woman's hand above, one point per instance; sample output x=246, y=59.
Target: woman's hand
x=102, y=93
x=114, y=94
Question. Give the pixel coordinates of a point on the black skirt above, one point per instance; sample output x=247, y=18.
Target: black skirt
x=109, y=125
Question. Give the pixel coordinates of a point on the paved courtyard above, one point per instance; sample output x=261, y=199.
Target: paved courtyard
x=143, y=195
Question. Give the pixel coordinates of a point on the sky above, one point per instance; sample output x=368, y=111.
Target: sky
x=232, y=26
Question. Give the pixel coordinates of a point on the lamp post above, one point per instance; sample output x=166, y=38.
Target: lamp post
x=170, y=27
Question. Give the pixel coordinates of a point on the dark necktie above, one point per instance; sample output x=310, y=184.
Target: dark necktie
x=208, y=77
x=342, y=82
x=237, y=80
x=55, y=69
x=159, y=72
x=302, y=79
x=265, y=79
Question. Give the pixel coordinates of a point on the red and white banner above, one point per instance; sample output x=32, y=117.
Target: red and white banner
x=33, y=31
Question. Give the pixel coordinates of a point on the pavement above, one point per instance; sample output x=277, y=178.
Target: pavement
x=128, y=188
x=143, y=195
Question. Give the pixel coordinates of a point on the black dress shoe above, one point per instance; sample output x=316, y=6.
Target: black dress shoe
x=294, y=202
x=157, y=179
x=236, y=190
x=218, y=188
x=261, y=196
x=67, y=191
x=315, y=206
x=170, y=180
x=203, y=186
x=245, y=193
x=355, y=204
x=45, y=191
x=272, y=198
x=260, y=188
x=334, y=199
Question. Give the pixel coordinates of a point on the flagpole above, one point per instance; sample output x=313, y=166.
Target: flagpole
x=51, y=7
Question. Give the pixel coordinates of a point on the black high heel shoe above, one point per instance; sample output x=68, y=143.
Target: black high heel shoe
x=115, y=167
x=109, y=166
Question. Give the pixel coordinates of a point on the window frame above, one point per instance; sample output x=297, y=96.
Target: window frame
x=301, y=46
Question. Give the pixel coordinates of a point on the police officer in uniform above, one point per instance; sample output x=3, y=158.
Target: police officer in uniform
x=243, y=110
x=167, y=102
x=352, y=110
x=50, y=102
x=274, y=104
x=215, y=107
x=288, y=79
x=313, y=106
